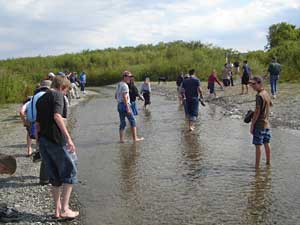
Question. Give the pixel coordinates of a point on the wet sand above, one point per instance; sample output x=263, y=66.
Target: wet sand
x=21, y=190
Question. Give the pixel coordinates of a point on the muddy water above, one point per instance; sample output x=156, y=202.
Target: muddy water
x=178, y=177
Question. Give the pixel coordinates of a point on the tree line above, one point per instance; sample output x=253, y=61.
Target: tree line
x=18, y=77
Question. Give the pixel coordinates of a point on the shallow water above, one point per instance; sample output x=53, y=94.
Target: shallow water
x=178, y=177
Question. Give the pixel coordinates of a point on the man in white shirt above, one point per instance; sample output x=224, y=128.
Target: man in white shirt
x=122, y=96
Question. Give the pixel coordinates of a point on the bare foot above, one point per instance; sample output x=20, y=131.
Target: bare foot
x=122, y=141
x=70, y=214
x=191, y=128
x=138, y=139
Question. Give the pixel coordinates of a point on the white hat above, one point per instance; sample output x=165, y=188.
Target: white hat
x=51, y=74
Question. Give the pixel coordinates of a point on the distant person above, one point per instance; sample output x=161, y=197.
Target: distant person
x=192, y=91
x=146, y=92
x=274, y=71
x=225, y=76
x=230, y=72
x=56, y=146
x=236, y=65
x=211, y=83
x=51, y=76
x=245, y=77
x=124, y=109
x=74, y=82
x=260, y=127
x=133, y=94
x=179, y=80
x=82, y=79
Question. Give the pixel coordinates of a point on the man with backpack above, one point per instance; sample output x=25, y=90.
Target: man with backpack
x=31, y=117
x=274, y=71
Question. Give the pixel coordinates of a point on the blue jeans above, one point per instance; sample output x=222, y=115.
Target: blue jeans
x=134, y=108
x=273, y=83
x=60, y=167
x=123, y=114
x=192, y=108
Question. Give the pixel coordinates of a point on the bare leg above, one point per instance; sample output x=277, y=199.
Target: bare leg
x=258, y=154
x=122, y=134
x=134, y=135
x=242, y=89
x=29, y=143
x=66, y=211
x=268, y=153
x=246, y=89
x=56, y=196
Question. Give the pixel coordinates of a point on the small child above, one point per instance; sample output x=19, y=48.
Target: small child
x=211, y=83
x=146, y=91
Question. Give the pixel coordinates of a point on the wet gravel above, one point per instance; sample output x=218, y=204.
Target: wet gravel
x=22, y=190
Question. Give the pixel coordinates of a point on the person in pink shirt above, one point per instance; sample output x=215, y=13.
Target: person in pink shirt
x=211, y=83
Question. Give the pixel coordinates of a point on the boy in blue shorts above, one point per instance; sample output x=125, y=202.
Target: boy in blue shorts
x=260, y=127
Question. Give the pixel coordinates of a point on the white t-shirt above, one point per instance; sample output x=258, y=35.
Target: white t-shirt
x=122, y=88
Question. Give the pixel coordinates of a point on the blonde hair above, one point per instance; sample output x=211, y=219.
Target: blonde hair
x=61, y=82
x=9, y=162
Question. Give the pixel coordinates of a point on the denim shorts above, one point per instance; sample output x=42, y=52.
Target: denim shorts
x=60, y=167
x=123, y=114
x=261, y=136
x=192, y=108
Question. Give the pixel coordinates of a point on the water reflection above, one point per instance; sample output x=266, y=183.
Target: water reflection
x=259, y=198
x=129, y=173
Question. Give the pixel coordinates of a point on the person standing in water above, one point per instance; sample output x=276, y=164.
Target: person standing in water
x=133, y=94
x=260, y=127
x=211, y=83
x=124, y=109
x=191, y=92
x=146, y=91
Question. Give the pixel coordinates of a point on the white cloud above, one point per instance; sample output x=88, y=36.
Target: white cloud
x=75, y=25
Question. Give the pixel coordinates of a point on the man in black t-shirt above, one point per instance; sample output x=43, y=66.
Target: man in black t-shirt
x=56, y=146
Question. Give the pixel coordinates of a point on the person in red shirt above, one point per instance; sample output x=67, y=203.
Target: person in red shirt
x=211, y=83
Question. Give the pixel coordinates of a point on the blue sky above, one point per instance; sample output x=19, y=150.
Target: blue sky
x=52, y=27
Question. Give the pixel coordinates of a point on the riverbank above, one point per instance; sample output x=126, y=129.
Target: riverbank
x=22, y=190
x=284, y=113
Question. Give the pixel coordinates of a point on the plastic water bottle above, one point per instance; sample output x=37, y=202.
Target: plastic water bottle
x=73, y=155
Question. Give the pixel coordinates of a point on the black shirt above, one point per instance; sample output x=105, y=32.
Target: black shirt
x=50, y=103
x=133, y=92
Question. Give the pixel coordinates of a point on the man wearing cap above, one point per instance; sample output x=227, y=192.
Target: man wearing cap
x=274, y=71
x=260, y=127
x=124, y=109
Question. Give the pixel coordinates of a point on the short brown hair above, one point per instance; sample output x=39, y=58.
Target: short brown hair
x=61, y=82
x=9, y=162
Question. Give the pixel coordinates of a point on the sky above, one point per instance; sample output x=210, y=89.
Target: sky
x=53, y=27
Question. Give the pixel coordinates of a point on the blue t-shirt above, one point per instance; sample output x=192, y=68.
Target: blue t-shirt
x=190, y=87
x=82, y=78
x=246, y=70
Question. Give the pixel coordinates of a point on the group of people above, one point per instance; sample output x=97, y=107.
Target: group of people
x=190, y=94
x=44, y=116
